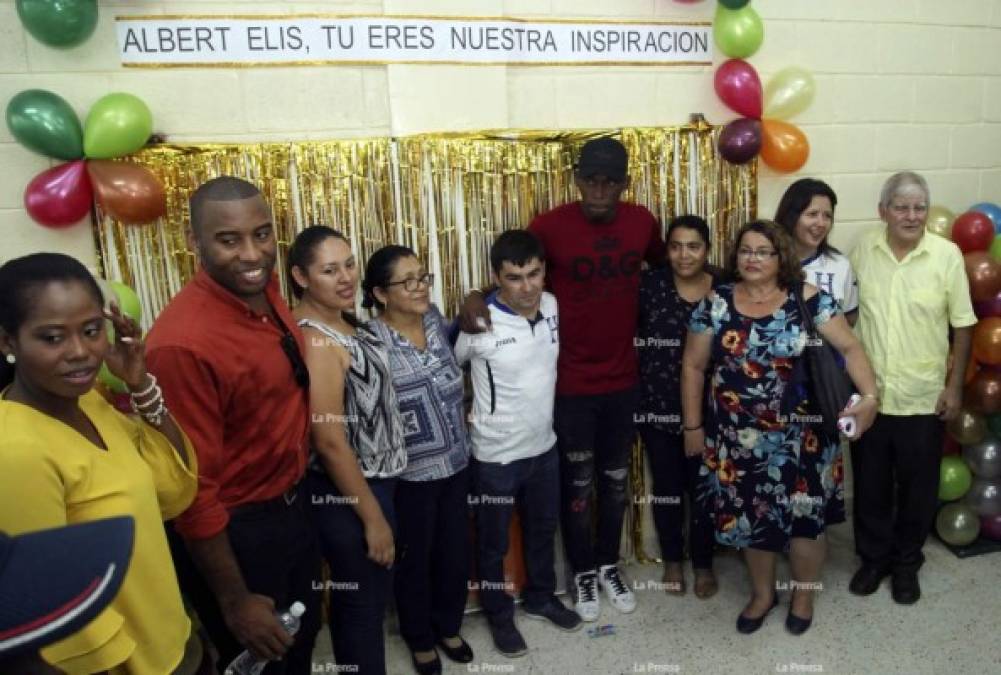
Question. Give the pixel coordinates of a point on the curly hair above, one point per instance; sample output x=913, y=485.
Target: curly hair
x=790, y=272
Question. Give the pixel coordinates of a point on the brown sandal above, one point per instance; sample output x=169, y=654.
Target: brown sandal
x=674, y=579
x=705, y=584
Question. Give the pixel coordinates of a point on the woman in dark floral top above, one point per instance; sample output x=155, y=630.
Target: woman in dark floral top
x=667, y=297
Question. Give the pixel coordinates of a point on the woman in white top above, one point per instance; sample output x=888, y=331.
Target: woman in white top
x=806, y=211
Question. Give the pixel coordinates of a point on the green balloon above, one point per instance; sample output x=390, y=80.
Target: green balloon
x=45, y=122
x=59, y=23
x=995, y=249
x=118, y=124
x=954, y=478
x=733, y=4
x=738, y=32
x=105, y=377
x=127, y=300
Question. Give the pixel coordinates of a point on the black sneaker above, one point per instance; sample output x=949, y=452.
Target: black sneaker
x=507, y=639
x=556, y=613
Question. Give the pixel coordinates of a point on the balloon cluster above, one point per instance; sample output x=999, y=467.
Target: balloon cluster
x=762, y=130
x=970, y=473
x=118, y=124
x=58, y=23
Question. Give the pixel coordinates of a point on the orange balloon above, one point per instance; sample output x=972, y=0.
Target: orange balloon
x=126, y=191
x=987, y=341
x=783, y=146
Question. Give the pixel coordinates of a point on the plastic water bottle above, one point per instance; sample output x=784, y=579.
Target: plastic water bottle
x=248, y=664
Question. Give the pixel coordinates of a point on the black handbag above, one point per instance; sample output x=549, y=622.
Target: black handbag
x=827, y=384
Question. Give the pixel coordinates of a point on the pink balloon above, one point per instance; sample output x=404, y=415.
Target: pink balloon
x=988, y=308
x=738, y=85
x=740, y=140
x=990, y=527
x=59, y=196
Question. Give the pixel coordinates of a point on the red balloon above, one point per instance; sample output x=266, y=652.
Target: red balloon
x=951, y=447
x=738, y=85
x=973, y=231
x=984, y=273
x=740, y=140
x=988, y=308
x=990, y=527
x=129, y=192
x=60, y=196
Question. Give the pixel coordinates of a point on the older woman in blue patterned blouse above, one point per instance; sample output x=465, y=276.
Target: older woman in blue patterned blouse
x=431, y=497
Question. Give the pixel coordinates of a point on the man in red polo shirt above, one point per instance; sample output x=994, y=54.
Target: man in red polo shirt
x=227, y=352
x=595, y=248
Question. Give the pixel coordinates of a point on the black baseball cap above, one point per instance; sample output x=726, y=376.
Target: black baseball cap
x=54, y=582
x=603, y=156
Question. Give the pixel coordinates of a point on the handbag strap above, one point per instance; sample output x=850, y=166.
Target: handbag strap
x=811, y=330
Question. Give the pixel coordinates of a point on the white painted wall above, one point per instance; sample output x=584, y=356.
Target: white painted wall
x=903, y=84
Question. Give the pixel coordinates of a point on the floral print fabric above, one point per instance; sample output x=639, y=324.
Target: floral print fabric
x=767, y=475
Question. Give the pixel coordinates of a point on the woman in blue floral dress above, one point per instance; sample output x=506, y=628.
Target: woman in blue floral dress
x=769, y=479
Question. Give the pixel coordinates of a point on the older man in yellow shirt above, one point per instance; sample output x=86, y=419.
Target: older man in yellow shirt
x=912, y=288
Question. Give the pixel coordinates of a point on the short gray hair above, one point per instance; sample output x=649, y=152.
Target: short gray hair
x=901, y=182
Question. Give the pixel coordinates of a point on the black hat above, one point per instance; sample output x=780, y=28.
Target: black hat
x=54, y=582
x=603, y=156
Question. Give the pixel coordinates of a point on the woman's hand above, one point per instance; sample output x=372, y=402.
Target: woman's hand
x=865, y=414
x=125, y=358
x=695, y=442
x=379, y=540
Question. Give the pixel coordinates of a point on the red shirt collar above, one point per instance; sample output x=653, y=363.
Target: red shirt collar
x=204, y=281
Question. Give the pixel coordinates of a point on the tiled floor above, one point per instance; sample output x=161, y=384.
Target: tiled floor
x=954, y=628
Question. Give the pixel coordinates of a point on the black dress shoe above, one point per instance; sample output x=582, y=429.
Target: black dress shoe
x=905, y=588
x=748, y=626
x=461, y=654
x=866, y=580
x=428, y=667
x=796, y=625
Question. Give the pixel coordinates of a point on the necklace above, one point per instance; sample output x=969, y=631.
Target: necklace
x=763, y=299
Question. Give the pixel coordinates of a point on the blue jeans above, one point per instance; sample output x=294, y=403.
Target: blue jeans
x=359, y=588
x=533, y=484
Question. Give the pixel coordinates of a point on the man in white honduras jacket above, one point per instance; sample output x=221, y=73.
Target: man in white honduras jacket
x=516, y=463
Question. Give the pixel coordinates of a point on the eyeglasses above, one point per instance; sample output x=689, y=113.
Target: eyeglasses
x=299, y=370
x=757, y=254
x=412, y=284
x=905, y=209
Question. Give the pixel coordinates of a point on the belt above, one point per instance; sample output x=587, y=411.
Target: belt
x=282, y=502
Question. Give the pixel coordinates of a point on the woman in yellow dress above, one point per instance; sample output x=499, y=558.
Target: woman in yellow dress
x=67, y=456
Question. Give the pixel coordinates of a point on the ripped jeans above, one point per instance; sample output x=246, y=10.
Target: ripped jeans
x=594, y=433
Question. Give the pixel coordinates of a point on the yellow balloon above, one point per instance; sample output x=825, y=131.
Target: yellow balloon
x=789, y=93
x=940, y=221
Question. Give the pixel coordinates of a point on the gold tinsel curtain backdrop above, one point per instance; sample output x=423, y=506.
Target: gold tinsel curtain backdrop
x=447, y=196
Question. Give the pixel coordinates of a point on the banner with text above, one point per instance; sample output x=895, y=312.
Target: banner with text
x=175, y=41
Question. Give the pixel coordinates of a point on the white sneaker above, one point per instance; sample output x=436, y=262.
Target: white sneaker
x=586, y=589
x=617, y=590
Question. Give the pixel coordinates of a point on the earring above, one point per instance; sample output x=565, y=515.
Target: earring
x=11, y=359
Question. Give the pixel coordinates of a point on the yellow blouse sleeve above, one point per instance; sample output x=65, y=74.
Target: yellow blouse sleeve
x=32, y=497
x=176, y=484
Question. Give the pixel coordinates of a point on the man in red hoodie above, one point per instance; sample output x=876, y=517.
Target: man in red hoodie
x=595, y=248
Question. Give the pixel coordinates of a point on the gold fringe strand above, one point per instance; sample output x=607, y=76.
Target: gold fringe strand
x=447, y=196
